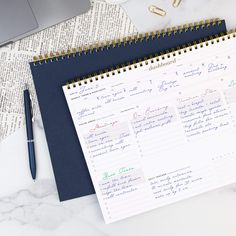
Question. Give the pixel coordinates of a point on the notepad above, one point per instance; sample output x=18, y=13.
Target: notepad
x=161, y=130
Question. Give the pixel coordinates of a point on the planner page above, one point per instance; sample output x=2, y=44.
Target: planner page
x=161, y=130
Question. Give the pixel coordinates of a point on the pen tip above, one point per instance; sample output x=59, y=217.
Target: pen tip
x=26, y=86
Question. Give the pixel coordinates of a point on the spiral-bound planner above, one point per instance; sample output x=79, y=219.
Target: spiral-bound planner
x=160, y=130
x=52, y=70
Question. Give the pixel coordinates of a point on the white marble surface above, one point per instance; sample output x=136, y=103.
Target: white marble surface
x=32, y=208
x=188, y=11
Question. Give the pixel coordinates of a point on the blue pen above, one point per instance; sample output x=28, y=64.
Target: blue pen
x=29, y=131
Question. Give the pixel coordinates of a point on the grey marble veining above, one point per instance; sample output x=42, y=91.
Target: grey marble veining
x=27, y=205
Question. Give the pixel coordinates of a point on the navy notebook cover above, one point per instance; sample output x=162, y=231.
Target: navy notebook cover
x=49, y=74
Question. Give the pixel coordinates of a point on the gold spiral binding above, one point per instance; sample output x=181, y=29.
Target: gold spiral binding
x=151, y=59
x=126, y=40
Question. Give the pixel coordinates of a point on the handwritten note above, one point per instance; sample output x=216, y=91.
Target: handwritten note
x=193, y=72
x=166, y=85
x=121, y=184
x=106, y=138
x=152, y=117
x=159, y=133
x=203, y=114
x=173, y=183
x=216, y=67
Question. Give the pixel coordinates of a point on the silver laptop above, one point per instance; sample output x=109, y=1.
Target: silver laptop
x=20, y=18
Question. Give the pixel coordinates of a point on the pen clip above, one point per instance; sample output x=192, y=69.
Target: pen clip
x=32, y=111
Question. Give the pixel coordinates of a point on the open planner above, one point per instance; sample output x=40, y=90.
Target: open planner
x=160, y=130
x=51, y=71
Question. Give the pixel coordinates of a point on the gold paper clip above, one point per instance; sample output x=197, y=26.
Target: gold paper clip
x=156, y=10
x=176, y=3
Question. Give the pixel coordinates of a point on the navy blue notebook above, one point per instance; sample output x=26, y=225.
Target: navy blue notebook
x=51, y=72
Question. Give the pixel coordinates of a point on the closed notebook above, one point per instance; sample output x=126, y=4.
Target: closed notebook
x=161, y=130
x=51, y=72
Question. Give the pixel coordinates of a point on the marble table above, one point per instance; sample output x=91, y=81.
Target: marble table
x=33, y=208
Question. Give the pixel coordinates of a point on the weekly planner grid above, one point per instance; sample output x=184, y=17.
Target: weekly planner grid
x=161, y=130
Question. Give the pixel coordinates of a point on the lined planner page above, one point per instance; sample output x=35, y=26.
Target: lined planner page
x=161, y=132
